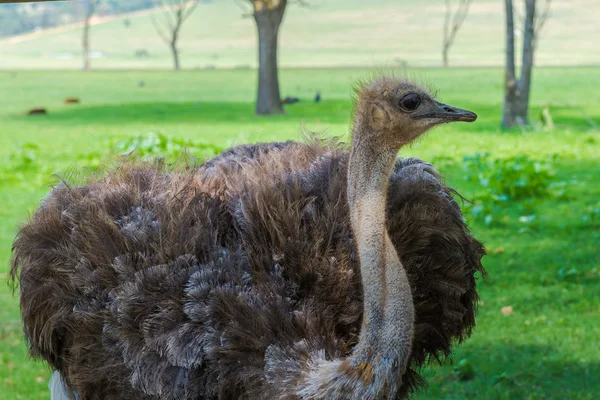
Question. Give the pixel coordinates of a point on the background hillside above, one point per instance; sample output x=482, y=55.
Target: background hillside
x=22, y=18
x=387, y=33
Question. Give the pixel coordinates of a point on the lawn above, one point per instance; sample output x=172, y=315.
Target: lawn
x=543, y=260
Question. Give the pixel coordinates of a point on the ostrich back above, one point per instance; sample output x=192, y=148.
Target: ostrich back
x=205, y=283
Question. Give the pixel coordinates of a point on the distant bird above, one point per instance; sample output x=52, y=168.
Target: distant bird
x=272, y=271
x=141, y=83
x=318, y=97
x=37, y=111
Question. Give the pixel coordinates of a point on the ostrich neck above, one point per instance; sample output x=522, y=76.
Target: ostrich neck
x=376, y=364
x=388, y=311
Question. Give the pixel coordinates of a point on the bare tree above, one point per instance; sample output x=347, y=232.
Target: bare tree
x=176, y=12
x=450, y=30
x=516, y=96
x=90, y=9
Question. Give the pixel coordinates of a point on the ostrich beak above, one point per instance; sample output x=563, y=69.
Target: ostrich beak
x=450, y=113
x=446, y=113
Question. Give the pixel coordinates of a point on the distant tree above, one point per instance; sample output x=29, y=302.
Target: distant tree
x=90, y=9
x=516, y=91
x=268, y=15
x=121, y=6
x=176, y=12
x=19, y=18
x=17, y=14
x=450, y=30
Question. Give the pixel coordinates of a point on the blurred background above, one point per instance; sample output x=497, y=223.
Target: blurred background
x=85, y=81
x=323, y=33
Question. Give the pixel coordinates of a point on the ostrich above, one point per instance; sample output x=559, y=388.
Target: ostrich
x=284, y=270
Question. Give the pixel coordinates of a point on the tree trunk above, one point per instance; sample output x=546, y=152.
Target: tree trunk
x=527, y=65
x=511, y=85
x=175, y=53
x=445, y=55
x=268, y=20
x=86, y=43
x=516, y=97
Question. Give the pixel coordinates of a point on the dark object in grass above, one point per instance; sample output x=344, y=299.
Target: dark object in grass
x=318, y=97
x=72, y=100
x=464, y=370
x=141, y=83
x=290, y=100
x=279, y=270
x=37, y=111
x=142, y=53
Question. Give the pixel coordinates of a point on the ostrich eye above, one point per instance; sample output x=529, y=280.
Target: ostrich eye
x=410, y=102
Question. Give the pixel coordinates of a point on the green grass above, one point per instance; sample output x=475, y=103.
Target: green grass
x=329, y=33
x=548, y=270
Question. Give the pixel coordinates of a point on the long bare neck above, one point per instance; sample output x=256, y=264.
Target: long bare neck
x=374, y=368
x=388, y=312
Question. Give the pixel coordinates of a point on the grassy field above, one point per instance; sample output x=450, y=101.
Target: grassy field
x=328, y=33
x=543, y=260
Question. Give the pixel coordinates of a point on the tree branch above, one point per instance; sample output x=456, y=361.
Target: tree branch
x=167, y=10
x=244, y=5
x=450, y=30
x=519, y=15
x=457, y=20
x=541, y=19
x=460, y=16
x=190, y=9
x=159, y=30
x=175, y=13
x=447, y=15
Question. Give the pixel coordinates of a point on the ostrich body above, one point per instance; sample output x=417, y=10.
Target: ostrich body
x=283, y=270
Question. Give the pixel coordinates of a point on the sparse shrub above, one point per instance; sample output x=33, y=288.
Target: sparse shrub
x=152, y=145
x=90, y=160
x=24, y=157
x=514, y=178
x=22, y=166
x=501, y=181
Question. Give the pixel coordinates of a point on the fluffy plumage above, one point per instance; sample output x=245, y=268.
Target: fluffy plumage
x=204, y=283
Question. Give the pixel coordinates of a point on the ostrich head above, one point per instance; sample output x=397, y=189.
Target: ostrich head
x=389, y=113
x=393, y=112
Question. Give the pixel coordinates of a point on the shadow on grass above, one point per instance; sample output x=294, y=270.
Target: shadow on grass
x=327, y=111
x=164, y=112
x=507, y=371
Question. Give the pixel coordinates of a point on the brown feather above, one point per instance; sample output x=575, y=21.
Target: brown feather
x=200, y=283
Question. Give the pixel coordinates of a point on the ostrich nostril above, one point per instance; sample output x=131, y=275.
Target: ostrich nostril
x=449, y=109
